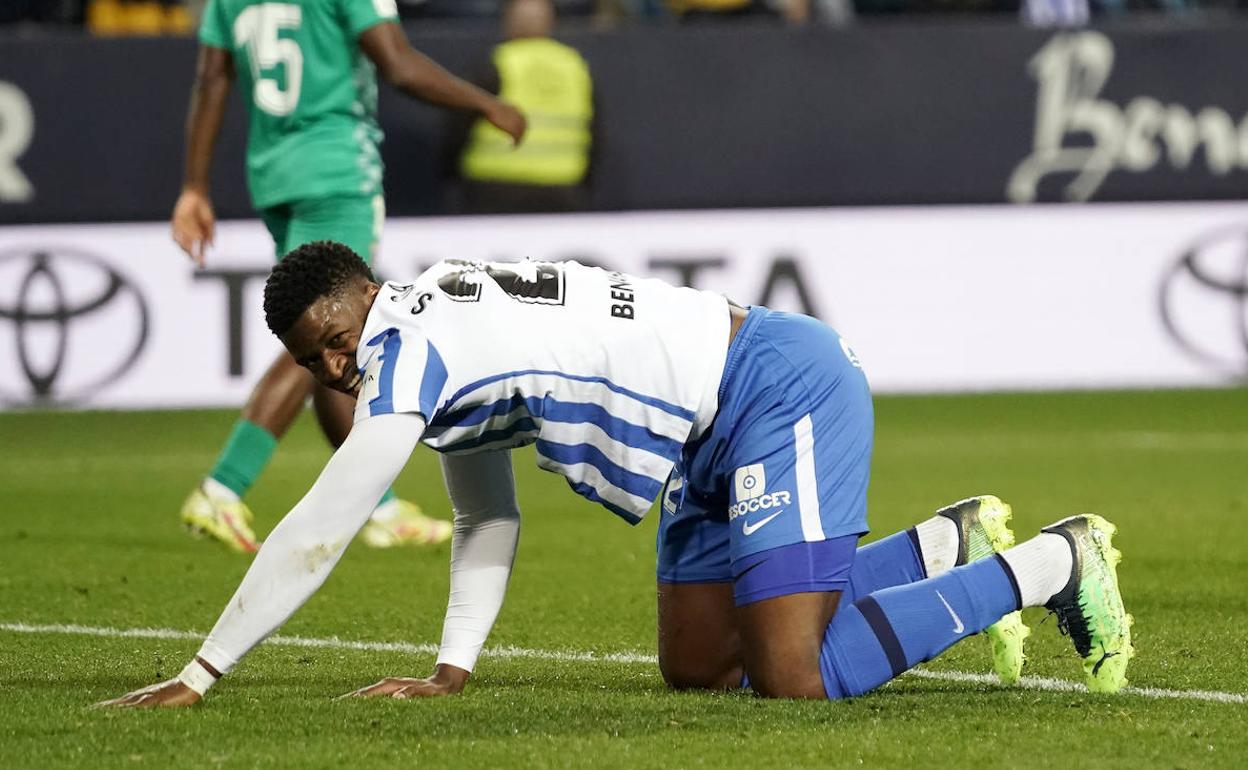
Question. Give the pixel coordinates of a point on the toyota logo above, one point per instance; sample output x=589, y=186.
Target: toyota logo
x=74, y=325
x=1211, y=276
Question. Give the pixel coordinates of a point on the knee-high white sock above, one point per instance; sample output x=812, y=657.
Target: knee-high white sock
x=938, y=544
x=1041, y=567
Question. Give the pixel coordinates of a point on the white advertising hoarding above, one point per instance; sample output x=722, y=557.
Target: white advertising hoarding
x=933, y=299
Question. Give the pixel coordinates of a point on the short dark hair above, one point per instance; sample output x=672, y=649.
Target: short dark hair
x=312, y=271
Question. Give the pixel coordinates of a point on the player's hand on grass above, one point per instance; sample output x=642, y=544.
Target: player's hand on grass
x=194, y=223
x=165, y=694
x=446, y=680
x=507, y=118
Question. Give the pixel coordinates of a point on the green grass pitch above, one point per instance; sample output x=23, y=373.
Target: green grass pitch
x=89, y=536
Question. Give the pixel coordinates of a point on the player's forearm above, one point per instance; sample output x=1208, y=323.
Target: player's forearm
x=304, y=548
x=487, y=530
x=213, y=79
x=481, y=559
x=419, y=76
x=292, y=564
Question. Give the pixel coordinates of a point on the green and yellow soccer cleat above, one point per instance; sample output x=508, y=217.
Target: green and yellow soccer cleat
x=1089, y=609
x=984, y=529
x=398, y=522
x=225, y=520
x=1006, y=637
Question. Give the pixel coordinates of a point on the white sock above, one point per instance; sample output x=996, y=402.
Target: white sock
x=1041, y=566
x=214, y=488
x=938, y=545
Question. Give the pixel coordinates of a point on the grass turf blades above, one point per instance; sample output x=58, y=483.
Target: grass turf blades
x=89, y=535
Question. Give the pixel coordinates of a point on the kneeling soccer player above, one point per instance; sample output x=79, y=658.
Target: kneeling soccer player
x=759, y=422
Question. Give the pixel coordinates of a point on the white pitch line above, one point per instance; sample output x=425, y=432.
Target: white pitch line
x=576, y=656
x=567, y=656
x=1063, y=685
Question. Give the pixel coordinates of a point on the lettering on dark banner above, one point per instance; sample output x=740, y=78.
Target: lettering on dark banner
x=1070, y=73
x=17, y=128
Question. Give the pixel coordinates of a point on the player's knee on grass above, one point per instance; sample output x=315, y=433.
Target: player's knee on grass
x=787, y=680
x=699, y=644
x=713, y=671
x=781, y=641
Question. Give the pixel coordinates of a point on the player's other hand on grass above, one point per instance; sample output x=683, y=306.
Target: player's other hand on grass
x=507, y=118
x=164, y=694
x=194, y=223
x=446, y=680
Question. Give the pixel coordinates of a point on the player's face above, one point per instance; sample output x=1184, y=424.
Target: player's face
x=326, y=336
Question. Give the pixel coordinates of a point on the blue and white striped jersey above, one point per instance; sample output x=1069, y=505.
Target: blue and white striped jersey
x=609, y=375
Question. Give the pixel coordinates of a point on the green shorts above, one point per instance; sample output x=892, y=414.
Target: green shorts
x=353, y=220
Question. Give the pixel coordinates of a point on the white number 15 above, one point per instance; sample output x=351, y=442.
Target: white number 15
x=257, y=27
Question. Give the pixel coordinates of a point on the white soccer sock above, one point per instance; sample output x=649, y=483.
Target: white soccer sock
x=216, y=489
x=938, y=544
x=1041, y=567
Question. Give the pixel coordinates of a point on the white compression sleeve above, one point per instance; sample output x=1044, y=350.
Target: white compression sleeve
x=487, y=528
x=304, y=548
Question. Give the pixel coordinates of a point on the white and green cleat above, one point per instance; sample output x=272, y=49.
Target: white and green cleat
x=228, y=521
x=399, y=522
x=1089, y=609
x=983, y=530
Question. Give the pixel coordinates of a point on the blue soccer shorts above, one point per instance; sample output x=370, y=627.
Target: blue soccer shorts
x=773, y=496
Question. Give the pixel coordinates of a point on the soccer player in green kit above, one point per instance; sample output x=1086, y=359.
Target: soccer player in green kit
x=308, y=71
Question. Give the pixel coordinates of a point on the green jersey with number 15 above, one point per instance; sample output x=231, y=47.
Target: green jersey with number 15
x=311, y=93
